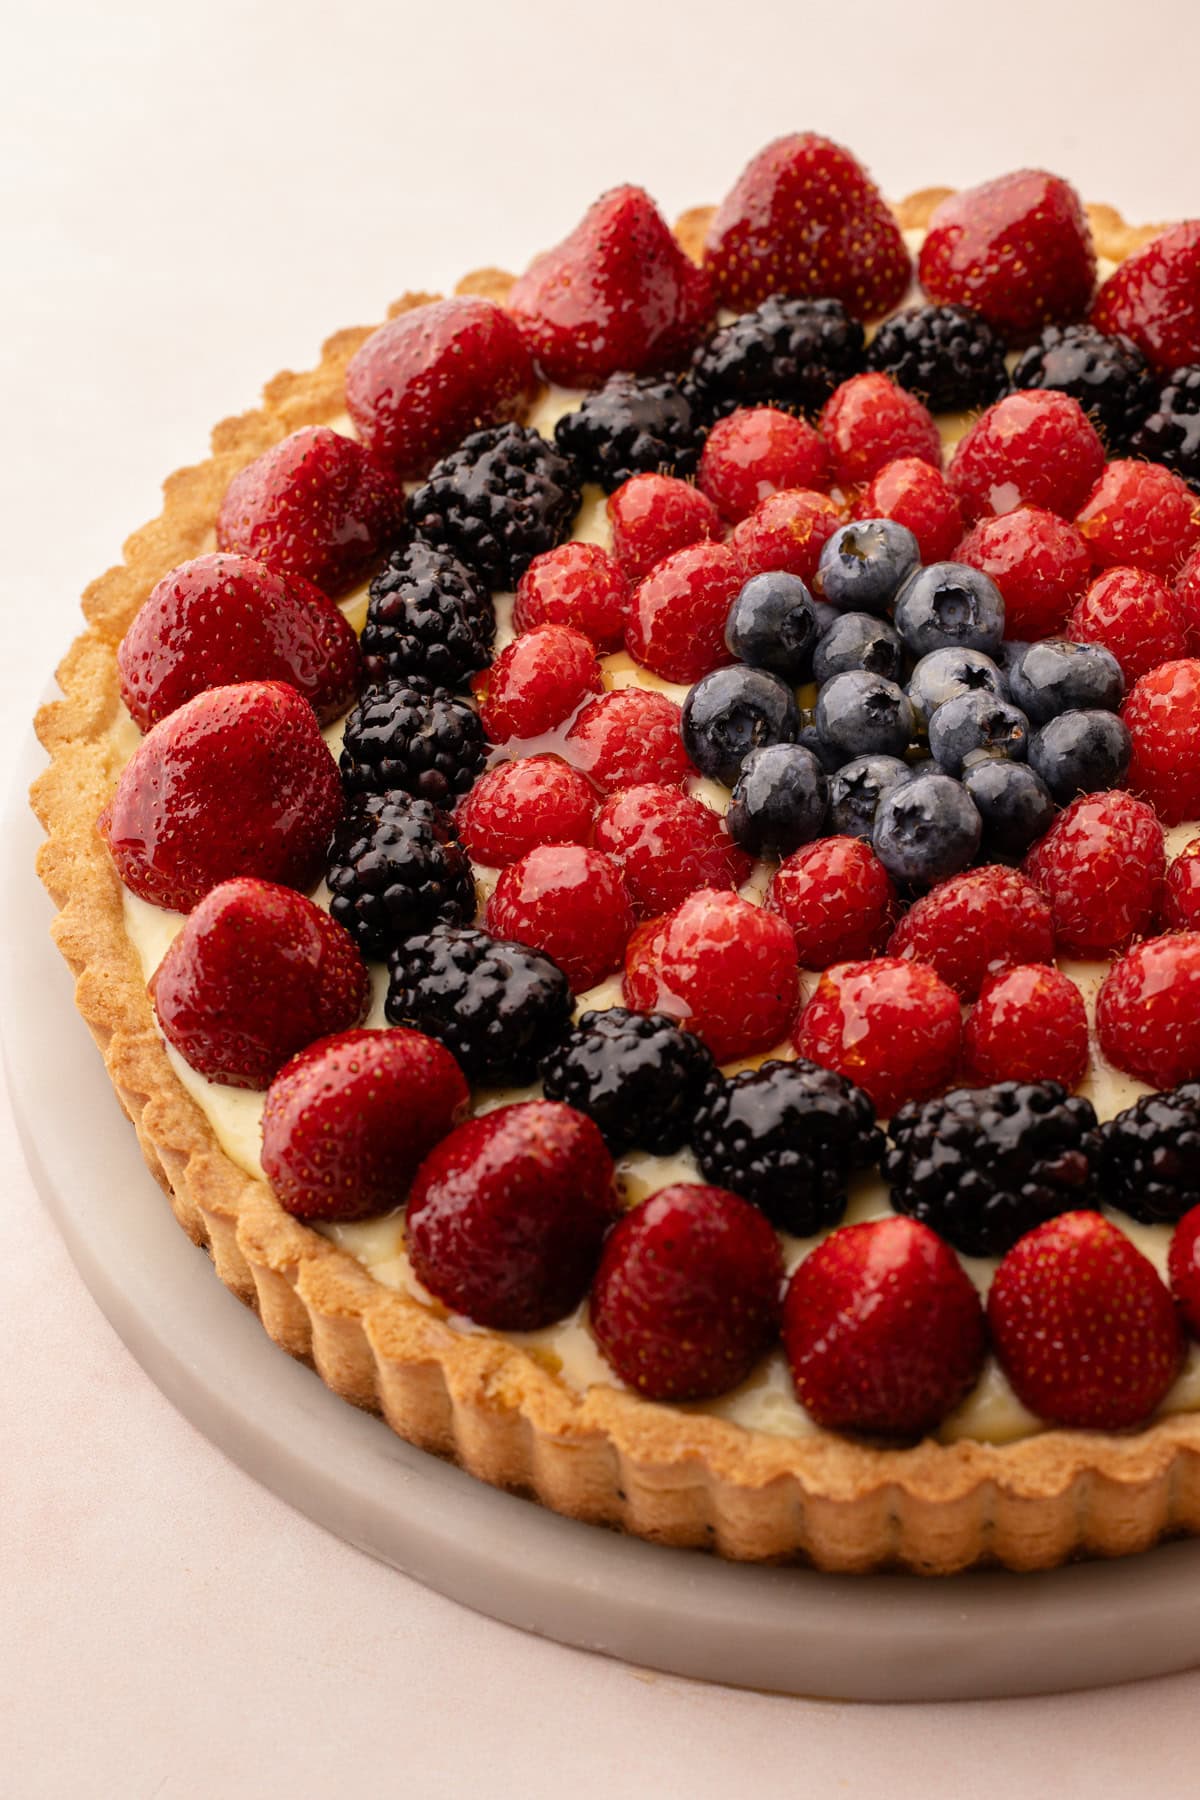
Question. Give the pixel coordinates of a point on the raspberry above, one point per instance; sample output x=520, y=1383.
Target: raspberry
x=568, y=902
x=688, y=1253
x=975, y=924
x=537, y=683
x=756, y=452
x=627, y=737
x=1150, y=1161
x=578, y=585
x=496, y=502
x=632, y=425
x=787, y=353
x=1187, y=598
x=666, y=845
x=428, y=615
x=869, y=422
x=1028, y=1024
x=786, y=531
x=1140, y=514
x=1035, y=448
x=676, y=625
x=1184, y=1268
x=891, y=1026
x=837, y=898
x=915, y=494
x=404, y=735
x=883, y=1330
x=1163, y=716
x=396, y=866
x=652, y=516
x=636, y=1074
x=1100, y=866
x=1037, y=560
x=518, y=805
x=1084, y=1328
x=1148, y=1011
x=507, y=1215
x=1135, y=616
x=720, y=965
x=948, y=356
x=1153, y=297
x=1181, y=891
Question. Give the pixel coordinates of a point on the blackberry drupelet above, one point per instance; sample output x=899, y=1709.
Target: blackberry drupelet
x=1150, y=1156
x=429, y=615
x=786, y=353
x=499, y=500
x=638, y=1075
x=498, y=1007
x=982, y=1166
x=948, y=356
x=409, y=736
x=788, y=1137
x=1108, y=376
x=633, y=425
x=1171, y=434
x=395, y=866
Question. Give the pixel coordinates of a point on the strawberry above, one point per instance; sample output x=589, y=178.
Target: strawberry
x=536, y=683
x=1154, y=297
x=568, y=901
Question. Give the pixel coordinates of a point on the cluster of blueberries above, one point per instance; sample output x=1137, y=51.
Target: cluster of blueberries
x=931, y=736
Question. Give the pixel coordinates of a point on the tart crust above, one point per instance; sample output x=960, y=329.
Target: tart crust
x=499, y=1410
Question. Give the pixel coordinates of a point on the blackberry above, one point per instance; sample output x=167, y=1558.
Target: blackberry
x=633, y=425
x=1171, y=434
x=786, y=353
x=947, y=355
x=395, y=866
x=428, y=614
x=982, y=1166
x=410, y=736
x=788, y=1137
x=1150, y=1156
x=499, y=500
x=498, y=1007
x=1108, y=376
x=638, y=1075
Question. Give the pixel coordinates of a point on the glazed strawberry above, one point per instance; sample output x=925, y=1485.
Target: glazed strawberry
x=618, y=293
x=222, y=619
x=1033, y=448
x=915, y=494
x=804, y=218
x=1148, y=1011
x=579, y=585
x=238, y=781
x=626, y=737
x=688, y=1253
x=722, y=967
x=652, y=516
x=430, y=376
x=1017, y=249
x=1134, y=615
x=257, y=973
x=786, y=531
x=676, y=625
x=1187, y=598
x=1154, y=297
x=1084, y=1327
x=1183, y=1266
x=507, y=1215
x=536, y=683
x=1163, y=716
x=1181, y=890
x=348, y=1120
x=1140, y=514
x=976, y=923
x=838, y=899
x=892, y=1026
x=1037, y=560
x=1028, y=1024
x=314, y=505
x=667, y=844
x=569, y=902
x=756, y=451
x=883, y=1329
x=518, y=805
x=1100, y=866
x=869, y=422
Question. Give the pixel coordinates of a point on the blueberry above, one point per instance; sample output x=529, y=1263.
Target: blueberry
x=779, y=800
x=1016, y=806
x=858, y=787
x=944, y=674
x=974, y=723
x=1055, y=676
x=826, y=615
x=858, y=641
x=1081, y=753
x=773, y=625
x=830, y=759
x=1008, y=653
x=733, y=711
x=860, y=714
x=950, y=605
x=863, y=564
x=926, y=830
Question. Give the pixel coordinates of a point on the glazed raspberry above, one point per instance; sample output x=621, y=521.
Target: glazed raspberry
x=1084, y=1328
x=314, y=505
x=1154, y=297
x=1184, y=1268
x=1100, y=866
x=756, y=452
x=579, y=585
x=628, y=737
x=891, y=1026
x=618, y=293
x=667, y=844
x=1017, y=249
x=537, y=683
x=720, y=965
x=633, y=425
x=433, y=374
x=915, y=494
x=1134, y=615
x=883, y=1329
x=637, y=1074
x=1143, y=515
x=1150, y=1160
x=1181, y=891
x=869, y=422
x=428, y=615
x=1148, y=1011
x=838, y=899
x=257, y=973
x=238, y=781
x=1163, y=716
x=1028, y=1024
x=348, y=1120
x=222, y=619
x=1187, y=598
x=507, y=1215
x=975, y=924
x=676, y=625
x=518, y=805
x=652, y=516
x=1037, y=560
x=1034, y=448
x=786, y=531
x=568, y=902
x=688, y=1253
x=499, y=1007
x=395, y=866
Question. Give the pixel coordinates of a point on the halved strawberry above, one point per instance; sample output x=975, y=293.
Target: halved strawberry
x=1154, y=297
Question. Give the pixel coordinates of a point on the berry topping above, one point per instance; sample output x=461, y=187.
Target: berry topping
x=518, y=805
x=858, y=787
x=428, y=615
x=676, y=625
x=773, y=625
x=628, y=737
x=974, y=725
x=786, y=531
x=1033, y=448
x=569, y=902
x=950, y=606
x=537, y=683
x=926, y=830
x=652, y=516
x=863, y=714
x=755, y=452
x=916, y=495
x=858, y=641
x=1148, y=1011
x=948, y=673
x=975, y=924
x=838, y=900
x=732, y=712
x=1154, y=297
x=1171, y=434
x=667, y=844
x=890, y=1025
x=631, y=426
x=1100, y=866
x=1057, y=676
x=1029, y=1024
x=1134, y=615
x=1183, y=1265
x=787, y=353
x=396, y=866
x=1163, y=716
x=636, y=1074
x=1150, y=1158
x=1142, y=515
x=780, y=800
x=1181, y=891
x=1039, y=563
x=1187, y=597
x=1080, y=753
x=869, y=422
x=863, y=565
x=499, y=500
x=405, y=735
x=1107, y=375
x=948, y=356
